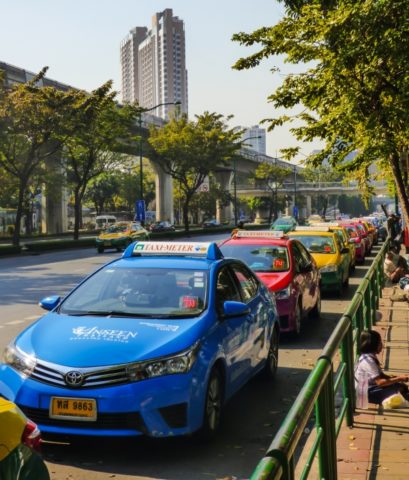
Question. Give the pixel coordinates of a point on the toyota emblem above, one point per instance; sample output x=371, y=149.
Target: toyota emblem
x=74, y=378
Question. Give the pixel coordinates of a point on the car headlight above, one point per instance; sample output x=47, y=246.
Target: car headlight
x=180, y=363
x=284, y=293
x=19, y=360
x=329, y=268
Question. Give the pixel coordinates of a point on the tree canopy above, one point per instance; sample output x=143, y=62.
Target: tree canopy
x=354, y=92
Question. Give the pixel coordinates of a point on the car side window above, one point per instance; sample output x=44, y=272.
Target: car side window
x=300, y=264
x=226, y=289
x=305, y=254
x=248, y=284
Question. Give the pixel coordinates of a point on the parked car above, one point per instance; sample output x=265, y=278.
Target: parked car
x=285, y=267
x=120, y=235
x=329, y=254
x=357, y=239
x=163, y=226
x=153, y=343
x=211, y=223
x=19, y=445
x=285, y=224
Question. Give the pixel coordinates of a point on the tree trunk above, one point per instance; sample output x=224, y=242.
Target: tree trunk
x=19, y=213
x=186, y=213
x=400, y=186
x=77, y=214
x=270, y=209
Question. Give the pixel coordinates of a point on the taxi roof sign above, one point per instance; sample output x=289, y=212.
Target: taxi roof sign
x=328, y=224
x=258, y=234
x=182, y=249
x=312, y=229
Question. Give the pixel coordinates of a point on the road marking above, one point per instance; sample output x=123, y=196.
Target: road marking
x=33, y=317
x=14, y=322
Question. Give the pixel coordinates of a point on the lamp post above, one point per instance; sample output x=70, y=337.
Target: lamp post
x=143, y=110
x=295, y=210
x=235, y=179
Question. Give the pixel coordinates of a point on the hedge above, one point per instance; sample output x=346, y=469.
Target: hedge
x=9, y=249
x=46, y=245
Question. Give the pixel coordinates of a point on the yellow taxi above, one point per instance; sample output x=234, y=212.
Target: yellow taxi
x=19, y=443
x=342, y=233
x=120, y=235
x=331, y=256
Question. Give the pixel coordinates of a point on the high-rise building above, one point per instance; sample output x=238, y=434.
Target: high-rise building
x=153, y=65
x=255, y=138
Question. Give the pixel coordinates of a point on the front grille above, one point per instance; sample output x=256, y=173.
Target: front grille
x=108, y=421
x=175, y=415
x=93, y=377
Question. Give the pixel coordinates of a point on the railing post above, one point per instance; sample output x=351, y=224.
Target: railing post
x=367, y=303
x=348, y=383
x=325, y=418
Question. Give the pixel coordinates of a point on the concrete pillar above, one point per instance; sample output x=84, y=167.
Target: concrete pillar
x=224, y=213
x=164, y=194
x=308, y=206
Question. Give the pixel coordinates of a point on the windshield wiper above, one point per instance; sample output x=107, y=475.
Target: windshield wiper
x=100, y=313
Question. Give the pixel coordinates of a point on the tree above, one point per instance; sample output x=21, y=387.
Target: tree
x=102, y=191
x=31, y=126
x=272, y=177
x=100, y=128
x=354, y=92
x=190, y=150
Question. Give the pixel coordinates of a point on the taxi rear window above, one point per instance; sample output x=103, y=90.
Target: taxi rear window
x=316, y=243
x=260, y=258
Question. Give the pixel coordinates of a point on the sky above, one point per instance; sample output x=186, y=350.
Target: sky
x=79, y=41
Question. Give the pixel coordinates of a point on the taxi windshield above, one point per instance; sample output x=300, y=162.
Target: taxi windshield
x=317, y=243
x=260, y=258
x=139, y=292
x=117, y=228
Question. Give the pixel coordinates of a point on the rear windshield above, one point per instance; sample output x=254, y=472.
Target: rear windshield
x=283, y=221
x=316, y=243
x=260, y=258
x=140, y=292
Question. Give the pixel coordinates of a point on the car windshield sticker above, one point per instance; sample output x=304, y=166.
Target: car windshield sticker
x=108, y=335
x=189, y=302
x=172, y=248
x=161, y=327
x=278, y=263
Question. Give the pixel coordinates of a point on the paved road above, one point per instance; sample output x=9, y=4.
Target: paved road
x=251, y=418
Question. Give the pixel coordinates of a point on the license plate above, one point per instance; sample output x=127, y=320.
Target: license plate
x=73, y=408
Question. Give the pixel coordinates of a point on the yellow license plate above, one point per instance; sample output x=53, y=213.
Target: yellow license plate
x=73, y=408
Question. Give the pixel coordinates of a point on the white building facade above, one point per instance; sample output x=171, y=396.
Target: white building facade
x=256, y=139
x=153, y=65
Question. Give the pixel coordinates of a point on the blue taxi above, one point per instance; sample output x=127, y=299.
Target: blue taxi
x=152, y=343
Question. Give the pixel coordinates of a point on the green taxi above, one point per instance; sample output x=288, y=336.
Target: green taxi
x=120, y=235
x=19, y=440
x=332, y=256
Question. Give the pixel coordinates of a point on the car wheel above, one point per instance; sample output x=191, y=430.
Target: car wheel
x=100, y=249
x=213, y=405
x=270, y=369
x=298, y=319
x=316, y=311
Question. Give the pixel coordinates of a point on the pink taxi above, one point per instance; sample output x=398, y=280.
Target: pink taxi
x=285, y=267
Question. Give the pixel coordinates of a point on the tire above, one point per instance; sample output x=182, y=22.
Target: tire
x=270, y=369
x=213, y=405
x=100, y=249
x=298, y=319
x=316, y=311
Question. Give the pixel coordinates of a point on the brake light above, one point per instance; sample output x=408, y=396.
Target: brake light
x=31, y=436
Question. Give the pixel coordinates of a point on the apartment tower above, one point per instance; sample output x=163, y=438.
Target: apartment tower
x=153, y=65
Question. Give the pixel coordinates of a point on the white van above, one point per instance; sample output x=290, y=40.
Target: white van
x=104, y=221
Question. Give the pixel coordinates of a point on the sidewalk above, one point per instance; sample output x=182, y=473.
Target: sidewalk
x=377, y=447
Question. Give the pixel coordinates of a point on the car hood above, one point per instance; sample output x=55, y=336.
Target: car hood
x=323, y=259
x=275, y=281
x=96, y=341
x=283, y=228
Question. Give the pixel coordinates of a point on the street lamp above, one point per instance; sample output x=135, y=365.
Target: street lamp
x=143, y=110
x=235, y=179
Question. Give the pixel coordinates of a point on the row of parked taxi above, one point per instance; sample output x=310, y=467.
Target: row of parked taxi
x=194, y=320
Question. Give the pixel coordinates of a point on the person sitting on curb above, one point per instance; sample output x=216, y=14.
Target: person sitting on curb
x=369, y=374
x=395, y=267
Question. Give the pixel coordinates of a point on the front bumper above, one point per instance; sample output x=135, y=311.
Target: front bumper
x=164, y=406
x=113, y=242
x=286, y=312
x=329, y=280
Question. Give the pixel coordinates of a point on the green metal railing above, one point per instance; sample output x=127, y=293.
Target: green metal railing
x=321, y=386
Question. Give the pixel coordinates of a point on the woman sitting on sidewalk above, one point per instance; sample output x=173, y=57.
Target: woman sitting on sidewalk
x=395, y=267
x=369, y=375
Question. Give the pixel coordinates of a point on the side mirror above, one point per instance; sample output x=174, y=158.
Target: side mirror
x=351, y=240
x=235, y=309
x=49, y=303
x=345, y=250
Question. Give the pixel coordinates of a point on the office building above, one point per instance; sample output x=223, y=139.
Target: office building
x=256, y=139
x=153, y=65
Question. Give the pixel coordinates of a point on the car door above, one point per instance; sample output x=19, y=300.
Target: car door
x=302, y=276
x=257, y=319
x=234, y=331
x=311, y=276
